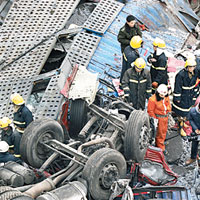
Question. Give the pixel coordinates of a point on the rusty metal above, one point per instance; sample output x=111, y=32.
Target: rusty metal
x=85, y=129
x=112, y=119
x=48, y=161
x=56, y=145
x=97, y=141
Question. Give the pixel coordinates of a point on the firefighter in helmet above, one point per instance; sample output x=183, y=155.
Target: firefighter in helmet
x=7, y=132
x=158, y=62
x=130, y=54
x=136, y=84
x=22, y=118
x=185, y=92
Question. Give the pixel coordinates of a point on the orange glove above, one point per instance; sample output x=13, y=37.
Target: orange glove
x=154, y=84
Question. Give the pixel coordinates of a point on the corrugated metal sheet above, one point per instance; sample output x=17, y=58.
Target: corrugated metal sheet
x=161, y=21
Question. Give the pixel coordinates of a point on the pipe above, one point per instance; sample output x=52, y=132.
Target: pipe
x=48, y=184
x=87, y=126
x=97, y=141
x=37, y=189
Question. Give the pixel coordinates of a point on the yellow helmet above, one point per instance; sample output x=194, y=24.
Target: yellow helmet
x=190, y=62
x=140, y=63
x=17, y=99
x=5, y=122
x=159, y=43
x=136, y=42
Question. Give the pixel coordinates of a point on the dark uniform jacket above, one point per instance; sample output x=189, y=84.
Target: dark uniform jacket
x=194, y=118
x=138, y=86
x=6, y=157
x=126, y=33
x=129, y=56
x=185, y=92
x=7, y=135
x=159, y=69
x=23, y=117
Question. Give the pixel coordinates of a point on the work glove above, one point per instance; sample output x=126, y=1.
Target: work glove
x=154, y=84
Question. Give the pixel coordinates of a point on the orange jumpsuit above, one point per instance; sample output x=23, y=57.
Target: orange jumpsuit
x=159, y=110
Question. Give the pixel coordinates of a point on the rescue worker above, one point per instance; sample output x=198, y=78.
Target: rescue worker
x=158, y=62
x=5, y=156
x=136, y=84
x=184, y=95
x=158, y=107
x=194, y=118
x=130, y=54
x=7, y=132
x=22, y=118
x=129, y=30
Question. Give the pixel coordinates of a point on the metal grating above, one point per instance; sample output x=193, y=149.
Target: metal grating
x=51, y=101
x=83, y=48
x=27, y=24
x=103, y=15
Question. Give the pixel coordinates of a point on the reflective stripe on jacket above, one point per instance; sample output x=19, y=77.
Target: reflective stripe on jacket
x=129, y=56
x=138, y=86
x=185, y=92
x=23, y=117
x=159, y=69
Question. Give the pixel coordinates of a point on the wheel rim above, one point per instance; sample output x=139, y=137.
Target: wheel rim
x=41, y=150
x=108, y=175
x=144, y=138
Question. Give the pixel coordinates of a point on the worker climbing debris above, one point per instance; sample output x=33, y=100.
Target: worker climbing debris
x=136, y=83
x=158, y=61
x=22, y=118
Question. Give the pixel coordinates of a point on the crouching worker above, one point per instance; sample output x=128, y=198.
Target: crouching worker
x=5, y=156
x=7, y=132
x=158, y=107
x=194, y=118
x=136, y=83
x=22, y=118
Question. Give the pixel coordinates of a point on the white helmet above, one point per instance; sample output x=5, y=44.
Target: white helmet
x=3, y=146
x=162, y=89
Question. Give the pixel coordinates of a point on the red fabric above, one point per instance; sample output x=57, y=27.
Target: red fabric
x=156, y=155
x=173, y=63
x=187, y=128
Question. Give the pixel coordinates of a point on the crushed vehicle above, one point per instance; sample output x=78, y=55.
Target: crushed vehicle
x=98, y=147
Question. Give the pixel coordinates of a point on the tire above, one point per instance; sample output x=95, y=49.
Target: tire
x=96, y=171
x=77, y=117
x=24, y=140
x=41, y=130
x=137, y=136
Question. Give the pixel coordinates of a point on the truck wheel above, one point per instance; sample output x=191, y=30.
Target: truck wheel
x=103, y=168
x=77, y=117
x=24, y=140
x=42, y=130
x=137, y=136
